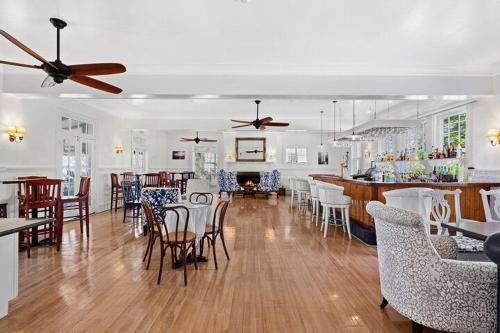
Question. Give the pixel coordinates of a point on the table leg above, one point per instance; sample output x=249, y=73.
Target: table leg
x=492, y=249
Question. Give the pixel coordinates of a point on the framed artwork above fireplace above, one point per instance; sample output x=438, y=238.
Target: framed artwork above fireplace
x=250, y=149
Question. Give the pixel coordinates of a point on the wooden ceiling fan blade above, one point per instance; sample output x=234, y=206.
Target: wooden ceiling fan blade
x=242, y=121
x=277, y=124
x=97, y=69
x=18, y=64
x=186, y=139
x=242, y=125
x=25, y=48
x=96, y=84
x=266, y=120
x=208, y=140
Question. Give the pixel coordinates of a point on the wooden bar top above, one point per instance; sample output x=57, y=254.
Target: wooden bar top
x=362, y=192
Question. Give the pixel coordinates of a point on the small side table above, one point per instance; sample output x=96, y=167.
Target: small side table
x=3, y=210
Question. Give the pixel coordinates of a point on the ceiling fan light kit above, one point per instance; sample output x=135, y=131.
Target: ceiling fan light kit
x=58, y=72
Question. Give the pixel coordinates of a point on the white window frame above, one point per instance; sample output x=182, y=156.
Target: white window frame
x=439, y=139
x=296, y=155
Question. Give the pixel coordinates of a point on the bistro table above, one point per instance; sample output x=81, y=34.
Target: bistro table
x=199, y=216
x=480, y=231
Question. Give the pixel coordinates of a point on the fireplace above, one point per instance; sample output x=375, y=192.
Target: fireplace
x=248, y=178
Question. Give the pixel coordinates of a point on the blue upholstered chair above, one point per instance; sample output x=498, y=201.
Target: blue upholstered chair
x=131, y=198
x=227, y=182
x=269, y=182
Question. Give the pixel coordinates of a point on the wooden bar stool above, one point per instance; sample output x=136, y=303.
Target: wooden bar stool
x=152, y=180
x=80, y=202
x=116, y=191
x=3, y=210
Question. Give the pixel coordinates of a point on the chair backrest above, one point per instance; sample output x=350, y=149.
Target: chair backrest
x=313, y=187
x=152, y=180
x=130, y=176
x=440, y=207
x=301, y=185
x=164, y=178
x=84, y=189
x=413, y=199
x=161, y=196
x=131, y=191
x=20, y=185
x=491, y=203
x=114, y=180
x=219, y=215
x=197, y=185
x=201, y=197
x=187, y=175
x=181, y=218
x=330, y=193
x=42, y=193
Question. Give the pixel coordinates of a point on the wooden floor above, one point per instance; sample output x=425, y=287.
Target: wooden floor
x=282, y=277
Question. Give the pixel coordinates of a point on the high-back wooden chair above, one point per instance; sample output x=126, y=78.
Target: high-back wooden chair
x=129, y=176
x=152, y=180
x=164, y=179
x=488, y=209
x=116, y=191
x=43, y=194
x=216, y=229
x=20, y=190
x=81, y=202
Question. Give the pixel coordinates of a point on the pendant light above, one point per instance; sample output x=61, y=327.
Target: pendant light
x=321, y=144
x=354, y=137
x=334, y=141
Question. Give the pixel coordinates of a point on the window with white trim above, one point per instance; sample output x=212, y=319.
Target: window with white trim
x=453, y=128
x=296, y=155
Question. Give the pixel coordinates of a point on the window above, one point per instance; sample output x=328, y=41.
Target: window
x=296, y=155
x=77, y=126
x=453, y=129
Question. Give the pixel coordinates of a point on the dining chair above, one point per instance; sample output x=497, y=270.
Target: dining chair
x=303, y=191
x=20, y=191
x=131, y=198
x=201, y=198
x=216, y=229
x=3, y=210
x=43, y=194
x=154, y=231
x=130, y=176
x=179, y=238
x=491, y=196
x=197, y=185
x=116, y=191
x=152, y=180
x=165, y=180
x=81, y=202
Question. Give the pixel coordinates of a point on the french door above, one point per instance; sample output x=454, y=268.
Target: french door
x=77, y=161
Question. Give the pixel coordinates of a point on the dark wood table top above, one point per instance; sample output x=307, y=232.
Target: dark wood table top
x=19, y=181
x=476, y=230
x=12, y=225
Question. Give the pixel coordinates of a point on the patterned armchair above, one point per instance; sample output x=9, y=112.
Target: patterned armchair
x=227, y=182
x=269, y=182
x=417, y=280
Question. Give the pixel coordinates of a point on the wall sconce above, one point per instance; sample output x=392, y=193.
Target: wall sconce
x=494, y=136
x=118, y=148
x=230, y=157
x=16, y=134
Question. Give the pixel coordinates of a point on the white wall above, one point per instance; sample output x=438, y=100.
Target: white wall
x=39, y=154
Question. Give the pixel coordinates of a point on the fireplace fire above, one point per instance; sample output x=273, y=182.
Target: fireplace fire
x=248, y=183
x=248, y=179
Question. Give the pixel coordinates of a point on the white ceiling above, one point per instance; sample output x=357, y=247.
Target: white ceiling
x=264, y=37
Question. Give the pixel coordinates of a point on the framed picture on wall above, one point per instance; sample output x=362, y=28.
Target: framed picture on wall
x=251, y=149
x=178, y=154
x=323, y=158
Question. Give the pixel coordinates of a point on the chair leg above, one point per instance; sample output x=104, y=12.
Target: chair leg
x=28, y=241
x=111, y=203
x=224, y=245
x=184, y=255
x=202, y=245
x=214, y=253
x=327, y=221
x=384, y=303
x=80, y=215
x=124, y=213
x=194, y=254
x=147, y=249
x=416, y=327
x=348, y=222
x=116, y=200
x=161, y=265
x=87, y=217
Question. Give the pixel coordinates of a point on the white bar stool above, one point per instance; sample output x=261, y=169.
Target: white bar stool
x=303, y=191
x=332, y=197
x=314, y=199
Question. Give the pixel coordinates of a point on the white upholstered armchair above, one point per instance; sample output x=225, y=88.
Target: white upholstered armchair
x=417, y=281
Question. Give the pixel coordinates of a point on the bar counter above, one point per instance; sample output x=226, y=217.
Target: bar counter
x=362, y=192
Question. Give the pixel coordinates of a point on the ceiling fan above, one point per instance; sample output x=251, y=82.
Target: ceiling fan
x=259, y=123
x=197, y=139
x=254, y=151
x=57, y=71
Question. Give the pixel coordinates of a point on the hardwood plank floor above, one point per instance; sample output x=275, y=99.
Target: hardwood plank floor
x=282, y=277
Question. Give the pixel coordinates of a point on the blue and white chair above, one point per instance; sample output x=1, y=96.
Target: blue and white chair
x=227, y=182
x=131, y=198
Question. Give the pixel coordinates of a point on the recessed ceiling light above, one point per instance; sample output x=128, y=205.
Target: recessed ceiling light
x=75, y=95
x=454, y=97
x=205, y=96
x=417, y=97
x=139, y=96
